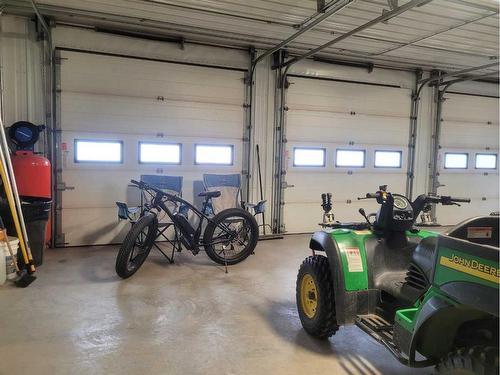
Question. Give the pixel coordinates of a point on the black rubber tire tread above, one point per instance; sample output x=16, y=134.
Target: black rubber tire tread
x=220, y=217
x=324, y=324
x=122, y=259
x=475, y=360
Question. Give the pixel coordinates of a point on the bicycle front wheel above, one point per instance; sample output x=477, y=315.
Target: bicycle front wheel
x=136, y=246
x=231, y=236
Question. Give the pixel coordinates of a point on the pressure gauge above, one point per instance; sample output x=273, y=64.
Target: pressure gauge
x=24, y=134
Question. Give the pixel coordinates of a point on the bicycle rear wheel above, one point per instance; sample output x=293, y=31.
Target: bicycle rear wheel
x=136, y=246
x=231, y=236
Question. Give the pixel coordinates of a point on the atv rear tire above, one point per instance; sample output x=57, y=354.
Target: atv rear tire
x=315, y=297
x=476, y=360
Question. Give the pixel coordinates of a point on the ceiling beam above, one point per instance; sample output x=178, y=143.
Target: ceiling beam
x=335, y=8
x=384, y=17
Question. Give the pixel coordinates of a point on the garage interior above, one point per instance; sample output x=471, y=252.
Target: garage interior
x=296, y=99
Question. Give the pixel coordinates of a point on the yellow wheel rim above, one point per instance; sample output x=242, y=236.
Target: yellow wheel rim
x=308, y=296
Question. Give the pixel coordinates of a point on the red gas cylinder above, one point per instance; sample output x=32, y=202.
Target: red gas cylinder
x=33, y=174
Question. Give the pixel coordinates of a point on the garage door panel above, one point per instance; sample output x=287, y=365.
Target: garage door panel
x=338, y=115
x=309, y=187
x=130, y=151
x=322, y=104
x=310, y=126
x=465, y=129
x=86, y=111
x=343, y=187
x=471, y=185
x=110, y=98
x=479, y=135
x=347, y=97
x=84, y=226
x=184, y=92
x=103, y=192
x=301, y=218
x=105, y=75
x=472, y=109
x=95, y=188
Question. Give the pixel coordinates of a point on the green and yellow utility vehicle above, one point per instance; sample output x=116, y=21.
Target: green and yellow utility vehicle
x=431, y=299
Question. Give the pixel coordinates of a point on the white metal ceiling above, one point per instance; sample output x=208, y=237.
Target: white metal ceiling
x=445, y=34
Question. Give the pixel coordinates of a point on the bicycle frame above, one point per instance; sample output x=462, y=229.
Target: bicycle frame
x=190, y=239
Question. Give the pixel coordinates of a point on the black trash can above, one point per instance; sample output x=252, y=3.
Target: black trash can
x=36, y=212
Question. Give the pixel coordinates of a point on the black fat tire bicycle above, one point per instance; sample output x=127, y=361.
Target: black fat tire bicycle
x=229, y=237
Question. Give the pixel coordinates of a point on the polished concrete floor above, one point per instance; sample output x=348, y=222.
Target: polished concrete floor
x=190, y=317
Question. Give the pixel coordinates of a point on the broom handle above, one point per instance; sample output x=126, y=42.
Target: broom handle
x=13, y=199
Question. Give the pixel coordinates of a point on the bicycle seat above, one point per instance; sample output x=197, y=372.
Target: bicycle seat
x=209, y=194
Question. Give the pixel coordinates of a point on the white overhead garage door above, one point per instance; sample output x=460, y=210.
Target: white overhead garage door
x=121, y=102
x=468, y=158
x=357, y=134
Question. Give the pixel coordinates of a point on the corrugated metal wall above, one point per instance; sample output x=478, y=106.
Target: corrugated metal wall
x=21, y=64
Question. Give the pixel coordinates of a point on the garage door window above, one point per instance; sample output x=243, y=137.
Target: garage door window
x=486, y=161
x=454, y=160
x=159, y=153
x=214, y=154
x=98, y=151
x=388, y=159
x=350, y=158
x=309, y=157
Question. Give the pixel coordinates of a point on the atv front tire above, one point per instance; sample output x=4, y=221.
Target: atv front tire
x=476, y=360
x=315, y=297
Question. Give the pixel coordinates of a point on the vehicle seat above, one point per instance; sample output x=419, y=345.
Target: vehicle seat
x=483, y=230
x=424, y=256
x=209, y=194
